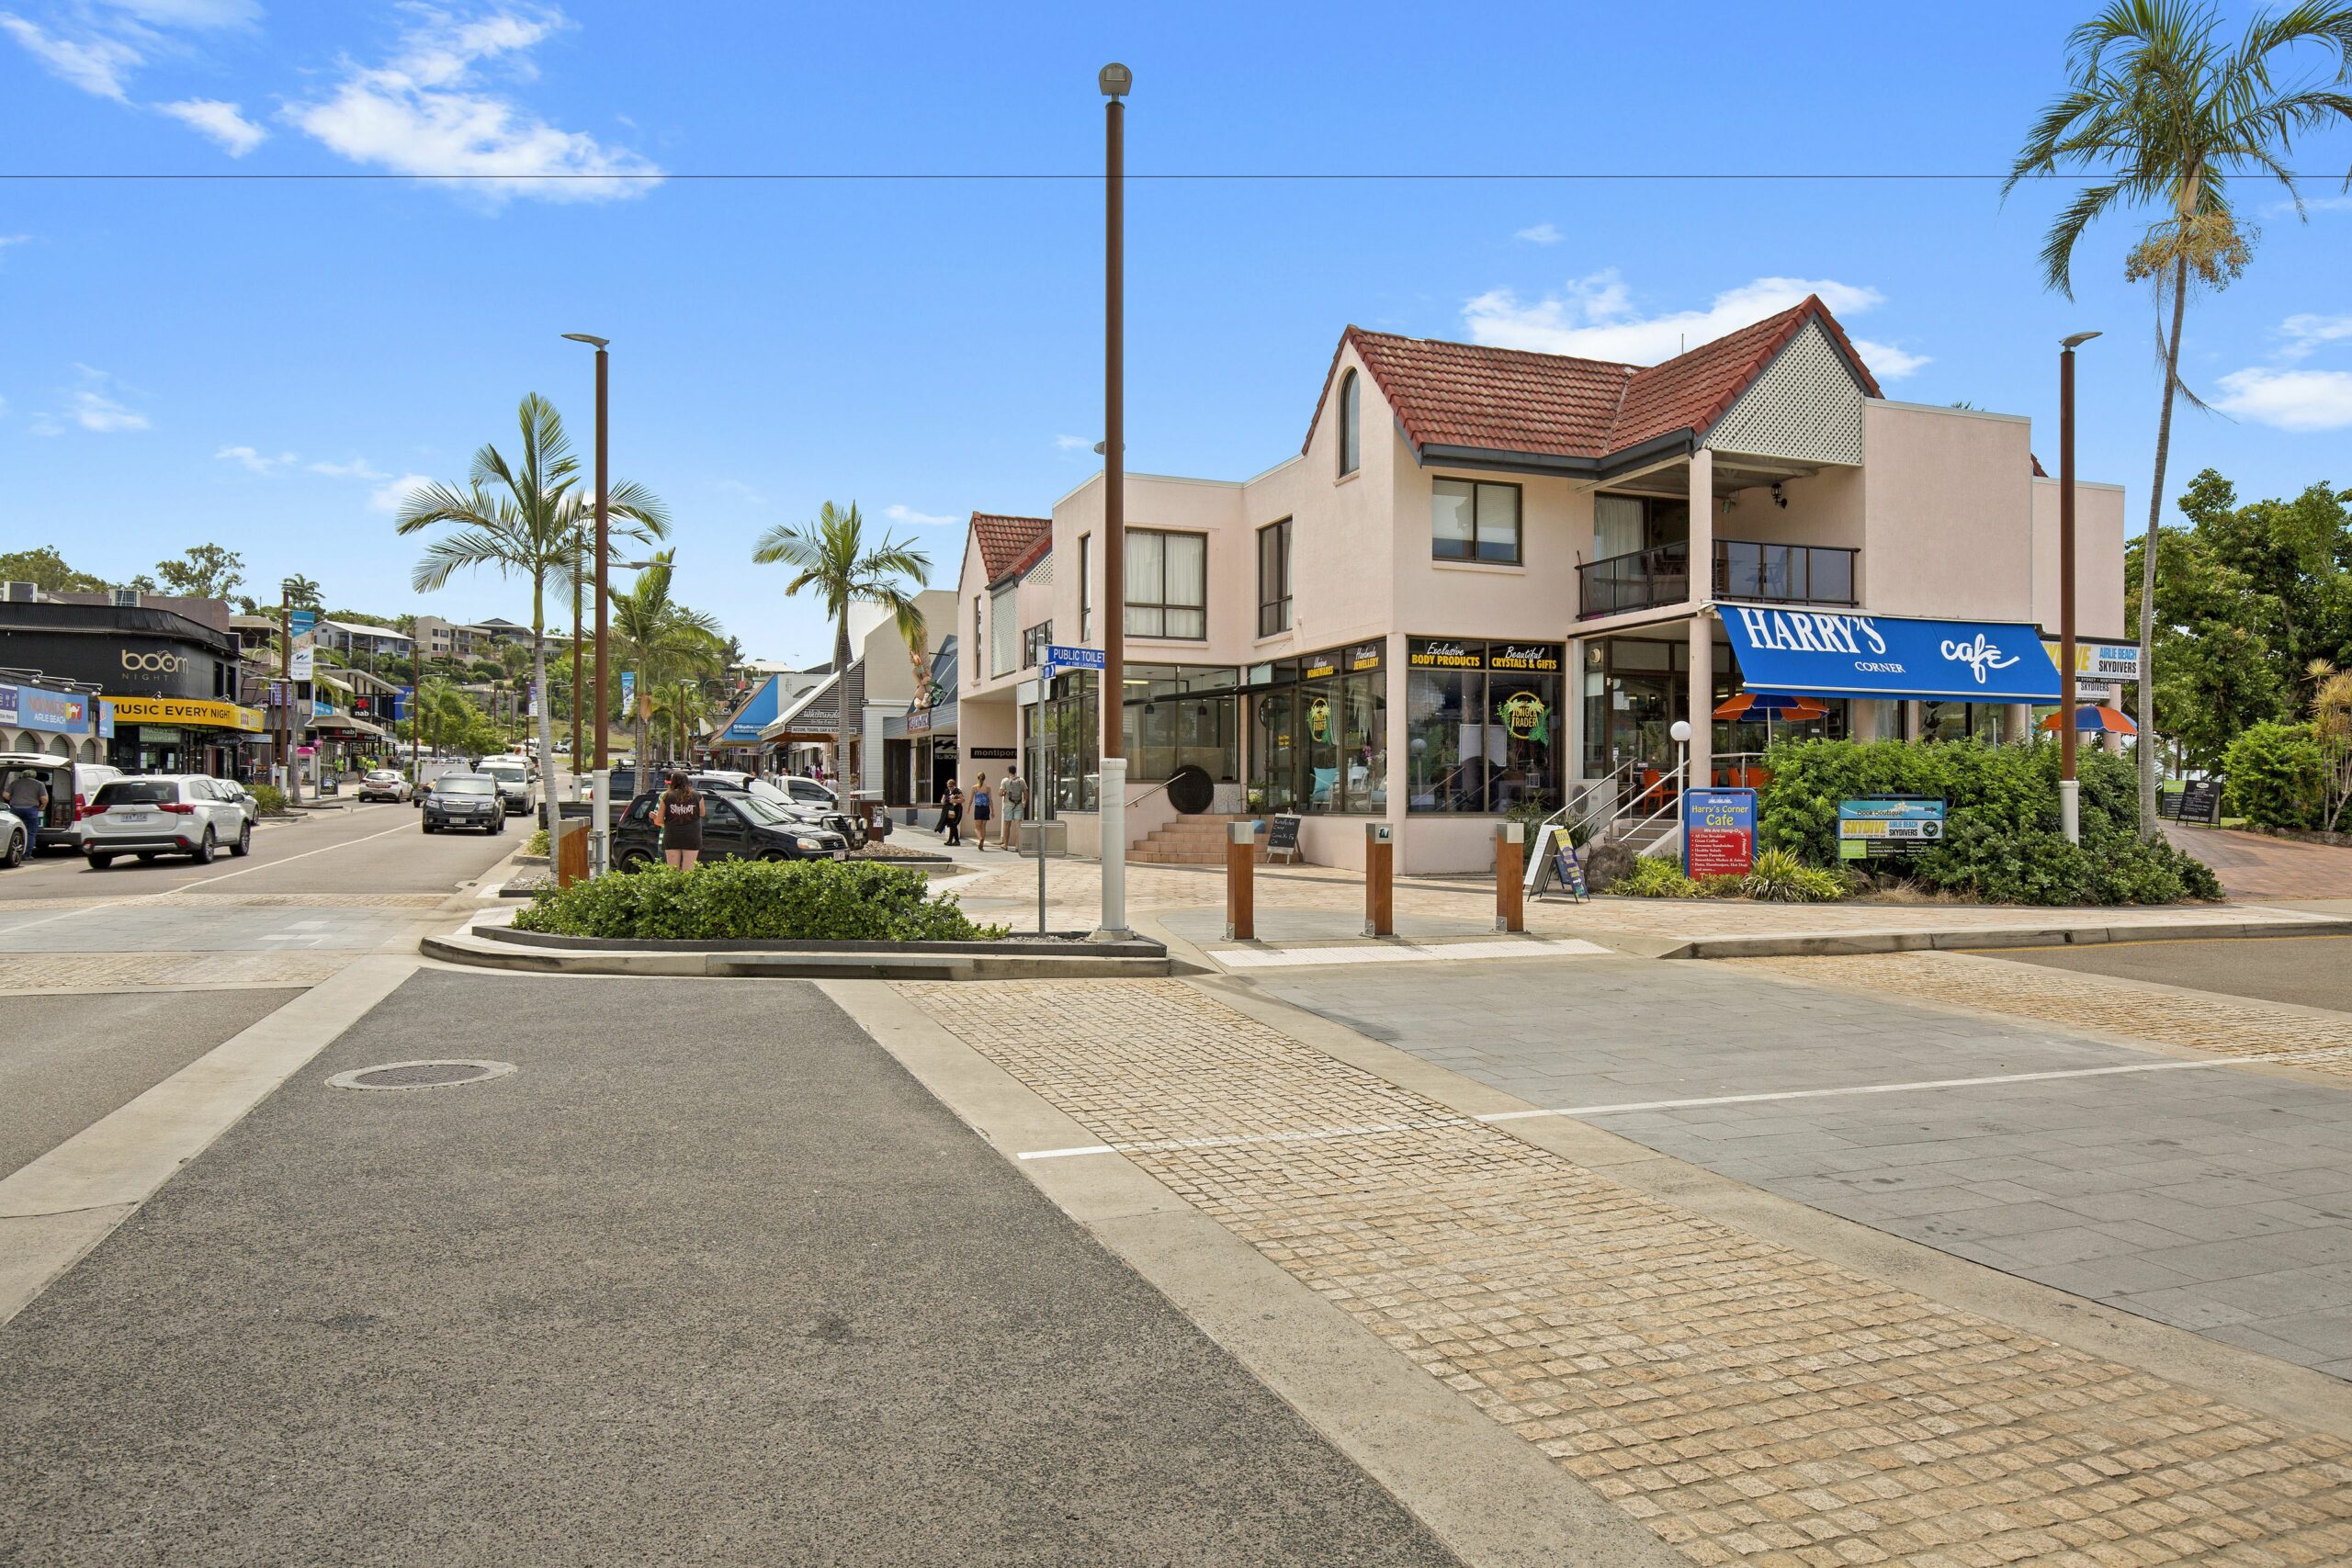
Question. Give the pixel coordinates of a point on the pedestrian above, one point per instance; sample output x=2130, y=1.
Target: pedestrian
x=950, y=815
x=28, y=797
x=981, y=806
x=1012, y=796
x=681, y=809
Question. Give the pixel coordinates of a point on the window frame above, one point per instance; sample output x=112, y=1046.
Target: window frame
x=1035, y=640
x=1351, y=443
x=1519, y=510
x=1163, y=604
x=1274, y=608
x=1085, y=589
x=1003, y=597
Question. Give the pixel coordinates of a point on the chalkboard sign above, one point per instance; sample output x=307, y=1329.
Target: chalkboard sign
x=2201, y=802
x=1281, y=839
x=2168, y=802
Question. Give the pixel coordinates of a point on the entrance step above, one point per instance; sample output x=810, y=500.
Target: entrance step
x=1188, y=840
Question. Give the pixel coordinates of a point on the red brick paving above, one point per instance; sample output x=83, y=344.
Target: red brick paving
x=2254, y=865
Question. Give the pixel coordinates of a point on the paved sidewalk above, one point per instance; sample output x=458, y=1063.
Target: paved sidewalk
x=2256, y=865
x=1749, y=1403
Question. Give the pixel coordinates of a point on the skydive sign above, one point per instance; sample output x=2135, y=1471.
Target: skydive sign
x=1829, y=653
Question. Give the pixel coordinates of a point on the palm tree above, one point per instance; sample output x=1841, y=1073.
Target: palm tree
x=523, y=522
x=830, y=557
x=662, y=639
x=2164, y=111
x=302, y=594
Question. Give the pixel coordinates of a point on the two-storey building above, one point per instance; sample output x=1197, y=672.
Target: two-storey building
x=1491, y=577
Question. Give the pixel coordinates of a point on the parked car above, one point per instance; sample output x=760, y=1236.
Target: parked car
x=383, y=783
x=826, y=816
x=16, y=841
x=465, y=800
x=162, y=814
x=67, y=789
x=734, y=826
x=514, y=781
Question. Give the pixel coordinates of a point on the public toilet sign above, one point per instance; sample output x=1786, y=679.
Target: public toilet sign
x=1829, y=653
x=1718, y=832
x=1888, y=825
x=1060, y=657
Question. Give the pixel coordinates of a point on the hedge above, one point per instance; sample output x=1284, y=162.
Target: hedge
x=774, y=900
x=2002, y=840
x=2275, y=775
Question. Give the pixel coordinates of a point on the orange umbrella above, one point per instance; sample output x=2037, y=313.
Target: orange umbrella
x=1768, y=705
x=2097, y=716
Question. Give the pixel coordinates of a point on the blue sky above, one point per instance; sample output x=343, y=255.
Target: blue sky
x=264, y=363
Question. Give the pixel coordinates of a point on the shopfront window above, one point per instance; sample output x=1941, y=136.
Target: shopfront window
x=1962, y=721
x=1320, y=725
x=1483, y=725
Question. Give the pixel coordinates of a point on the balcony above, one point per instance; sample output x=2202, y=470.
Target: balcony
x=1744, y=570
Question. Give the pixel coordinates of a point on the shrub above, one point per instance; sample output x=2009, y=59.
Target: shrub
x=1779, y=877
x=2275, y=776
x=774, y=900
x=537, y=844
x=270, y=799
x=1655, y=876
x=1721, y=885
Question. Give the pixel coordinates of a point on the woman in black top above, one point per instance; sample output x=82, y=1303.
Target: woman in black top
x=680, y=811
x=952, y=812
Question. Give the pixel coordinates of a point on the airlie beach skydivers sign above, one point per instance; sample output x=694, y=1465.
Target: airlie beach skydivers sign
x=1827, y=653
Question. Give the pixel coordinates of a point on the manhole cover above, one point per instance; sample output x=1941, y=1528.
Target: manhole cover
x=421, y=1075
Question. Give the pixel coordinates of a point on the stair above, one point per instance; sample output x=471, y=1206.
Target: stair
x=1188, y=840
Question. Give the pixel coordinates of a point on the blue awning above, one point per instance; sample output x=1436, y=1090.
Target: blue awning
x=1832, y=654
x=752, y=717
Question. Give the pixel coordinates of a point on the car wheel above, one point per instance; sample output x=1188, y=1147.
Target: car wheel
x=100, y=862
x=245, y=844
x=431, y=829
x=635, y=859
x=202, y=853
x=14, y=855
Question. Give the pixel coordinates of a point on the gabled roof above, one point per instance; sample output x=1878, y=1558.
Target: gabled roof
x=1010, y=544
x=1509, y=399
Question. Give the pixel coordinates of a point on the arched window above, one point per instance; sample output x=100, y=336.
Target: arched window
x=1351, y=424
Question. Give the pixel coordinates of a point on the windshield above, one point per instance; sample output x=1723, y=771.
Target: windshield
x=469, y=785
x=138, y=793
x=761, y=790
x=501, y=771
x=760, y=811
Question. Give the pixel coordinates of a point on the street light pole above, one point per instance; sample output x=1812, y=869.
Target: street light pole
x=576, y=705
x=2070, y=788
x=1115, y=81
x=600, y=806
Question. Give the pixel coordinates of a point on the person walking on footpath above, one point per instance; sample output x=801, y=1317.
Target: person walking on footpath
x=680, y=811
x=983, y=806
x=951, y=812
x=1012, y=796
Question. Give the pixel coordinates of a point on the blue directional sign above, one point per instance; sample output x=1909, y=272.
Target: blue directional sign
x=1060, y=657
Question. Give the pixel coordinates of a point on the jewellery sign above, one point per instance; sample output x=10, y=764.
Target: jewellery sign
x=1718, y=832
x=1888, y=825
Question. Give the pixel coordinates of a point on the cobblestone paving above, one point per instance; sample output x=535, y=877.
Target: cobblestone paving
x=1750, y=1403
x=22, y=972
x=2231, y=1026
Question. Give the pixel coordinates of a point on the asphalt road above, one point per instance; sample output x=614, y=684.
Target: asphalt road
x=2310, y=971
x=709, y=1279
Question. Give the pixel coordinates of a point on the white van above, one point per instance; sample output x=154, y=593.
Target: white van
x=67, y=789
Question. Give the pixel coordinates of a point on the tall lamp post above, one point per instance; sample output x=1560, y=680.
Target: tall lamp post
x=2070, y=787
x=603, y=365
x=1115, y=80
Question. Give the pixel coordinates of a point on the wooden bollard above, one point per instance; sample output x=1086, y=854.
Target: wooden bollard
x=1510, y=869
x=1379, y=874
x=1241, y=882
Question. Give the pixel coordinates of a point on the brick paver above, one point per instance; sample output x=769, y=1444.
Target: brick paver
x=22, y=972
x=1748, y=1403
x=2254, y=866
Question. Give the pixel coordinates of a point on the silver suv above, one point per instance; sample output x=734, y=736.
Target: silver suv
x=166, y=814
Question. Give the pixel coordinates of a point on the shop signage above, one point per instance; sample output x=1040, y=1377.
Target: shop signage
x=1888, y=825
x=38, y=709
x=1718, y=832
x=991, y=753
x=1282, y=837
x=186, y=711
x=1458, y=653
x=2200, y=801
x=1832, y=654
x=2104, y=663
x=918, y=721
x=1524, y=658
x=1437, y=653
x=2168, y=802
x=1317, y=667
x=1364, y=656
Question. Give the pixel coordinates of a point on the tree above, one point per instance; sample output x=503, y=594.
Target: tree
x=302, y=594
x=2166, y=111
x=662, y=641
x=522, y=520
x=207, y=571
x=831, y=559
x=2331, y=724
x=46, y=569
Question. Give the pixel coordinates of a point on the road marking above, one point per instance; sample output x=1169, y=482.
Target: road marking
x=289, y=860
x=1404, y=952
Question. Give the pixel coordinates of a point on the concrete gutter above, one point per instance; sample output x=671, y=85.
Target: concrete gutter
x=1822, y=945
x=493, y=948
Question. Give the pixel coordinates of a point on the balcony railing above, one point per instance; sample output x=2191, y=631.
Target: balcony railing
x=1744, y=568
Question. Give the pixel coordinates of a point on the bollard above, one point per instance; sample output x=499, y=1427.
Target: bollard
x=1511, y=894
x=571, y=851
x=1241, y=882
x=1379, y=869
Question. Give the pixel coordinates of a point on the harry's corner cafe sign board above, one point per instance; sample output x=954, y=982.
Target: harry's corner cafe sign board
x=1826, y=653
x=188, y=712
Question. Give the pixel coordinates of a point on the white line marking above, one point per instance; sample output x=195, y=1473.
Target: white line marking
x=1404, y=952
x=289, y=860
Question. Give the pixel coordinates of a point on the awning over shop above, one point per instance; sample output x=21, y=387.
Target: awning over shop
x=1832, y=654
x=336, y=724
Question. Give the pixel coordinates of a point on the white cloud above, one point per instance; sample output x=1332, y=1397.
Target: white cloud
x=741, y=491
x=1541, y=235
x=388, y=497
x=1072, y=444
x=191, y=13
x=93, y=62
x=426, y=112
x=2310, y=204
x=224, y=122
x=254, y=462
x=1594, y=318
x=2305, y=332
x=899, y=514
x=2289, y=400
x=96, y=410
x=358, y=468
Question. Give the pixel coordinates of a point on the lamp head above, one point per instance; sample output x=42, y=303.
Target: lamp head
x=2076, y=341
x=1115, y=80
x=584, y=337
x=1681, y=730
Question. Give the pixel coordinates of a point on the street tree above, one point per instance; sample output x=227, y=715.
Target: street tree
x=302, y=594
x=207, y=571
x=522, y=519
x=47, y=571
x=831, y=559
x=2163, y=111
x=662, y=642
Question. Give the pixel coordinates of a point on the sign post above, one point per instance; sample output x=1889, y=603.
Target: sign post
x=1718, y=832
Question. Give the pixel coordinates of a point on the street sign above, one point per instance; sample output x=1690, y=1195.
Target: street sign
x=1718, y=832
x=1059, y=658
x=1889, y=825
x=629, y=687
x=2100, y=662
x=300, y=622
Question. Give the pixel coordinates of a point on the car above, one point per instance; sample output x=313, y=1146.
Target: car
x=734, y=826
x=67, y=789
x=16, y=841
x=384, y=783
x=160, y=814
x=465, y=800
x=514, y=782
x=851, y=830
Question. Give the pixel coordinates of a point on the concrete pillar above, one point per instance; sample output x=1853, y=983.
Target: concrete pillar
x=2019, y=725
x=1863, y=718
x=1702, y=527
x=1702, y=698
x=1571, y=727
x=1911, y=720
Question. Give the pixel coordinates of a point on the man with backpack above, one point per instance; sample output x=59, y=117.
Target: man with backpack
x=1011, y=795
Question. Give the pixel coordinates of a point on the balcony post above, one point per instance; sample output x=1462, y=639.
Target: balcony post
x=1570, y=764
x=1703, y=626
x=1702, y=529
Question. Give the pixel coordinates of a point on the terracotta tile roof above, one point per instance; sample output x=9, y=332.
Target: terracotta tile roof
x=1005, y=541
x=1459, y=394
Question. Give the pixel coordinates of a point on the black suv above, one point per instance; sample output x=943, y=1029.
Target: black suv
x=734, y=826
x=465, y=800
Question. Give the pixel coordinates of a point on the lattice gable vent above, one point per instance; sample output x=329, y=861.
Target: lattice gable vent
x=1806, y=406
x=1043, y=572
